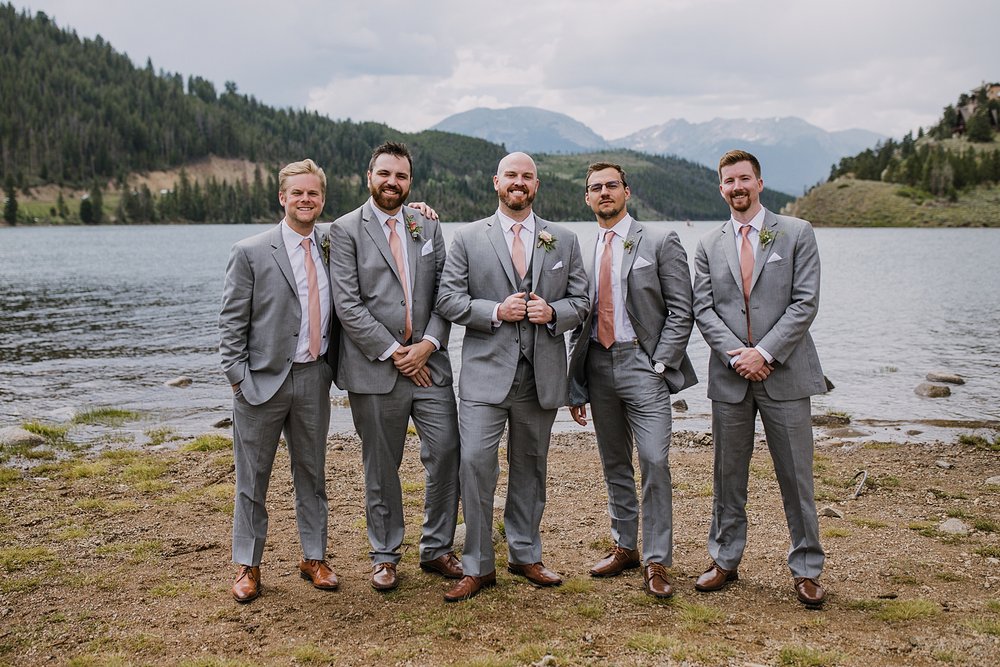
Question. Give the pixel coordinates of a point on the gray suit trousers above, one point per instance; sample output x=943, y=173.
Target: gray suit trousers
x=481, y=426
x=381, y=421
x=788, y=429
x=630, y=405
x=301, y=409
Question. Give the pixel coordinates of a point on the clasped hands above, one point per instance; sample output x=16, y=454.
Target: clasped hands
x=515, y=308
x=750, y=364
x=411, y=361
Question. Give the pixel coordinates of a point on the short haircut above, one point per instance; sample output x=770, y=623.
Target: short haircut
x=732, y=157
x=600, y=166
x=306, y=166
x=396, y=148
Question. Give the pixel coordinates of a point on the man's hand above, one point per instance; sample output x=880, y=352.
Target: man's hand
x=422, y=378
x=579, y=414
x=425, y=210
x=539, y=311
x=513, y=308
x=751, y=364
x=411, y=358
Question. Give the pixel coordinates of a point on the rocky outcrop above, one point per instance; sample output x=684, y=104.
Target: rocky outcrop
x=929, y=390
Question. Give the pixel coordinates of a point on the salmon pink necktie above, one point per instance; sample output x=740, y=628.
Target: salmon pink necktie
x=517, y=251
x=396, y=246
x=315, y=316
x=746, y=272
x=605, y=300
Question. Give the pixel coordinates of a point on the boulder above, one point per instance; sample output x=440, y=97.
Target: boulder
x=993, y=481
x=829, y=385
x=831, y=512
x=225, y=422
x=179, y=381
x=947, y=465
x=680, y=405
x=15, y=436
x=948, y=378
x=954, y=527
x=929, y=390
x=830, y=420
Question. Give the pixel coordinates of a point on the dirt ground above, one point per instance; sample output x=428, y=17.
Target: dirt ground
x=122, y=558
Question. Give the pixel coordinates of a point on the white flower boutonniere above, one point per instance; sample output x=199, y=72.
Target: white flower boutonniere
x=412, y=227
x=627, y=245
x=546, y=240
x=765, y=236
x=324, y=247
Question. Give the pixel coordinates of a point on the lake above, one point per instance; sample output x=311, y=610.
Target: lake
x=103, y=316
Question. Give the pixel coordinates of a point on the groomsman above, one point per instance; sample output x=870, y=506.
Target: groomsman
x=517, y=284
x=386, y=261
x=756, y=291
x=627, y=358
x=279, y=349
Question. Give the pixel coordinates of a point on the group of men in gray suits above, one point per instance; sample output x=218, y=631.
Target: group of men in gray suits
x=377, y=321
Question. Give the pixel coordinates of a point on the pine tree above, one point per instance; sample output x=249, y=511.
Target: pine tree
x=97, y=202
x=10, y=204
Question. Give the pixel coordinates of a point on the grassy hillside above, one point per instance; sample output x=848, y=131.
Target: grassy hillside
x=848, y=202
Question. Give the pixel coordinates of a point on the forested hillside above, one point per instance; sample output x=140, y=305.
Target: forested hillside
x=77, y=115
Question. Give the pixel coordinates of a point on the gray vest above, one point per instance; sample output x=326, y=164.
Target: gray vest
x=525, y=329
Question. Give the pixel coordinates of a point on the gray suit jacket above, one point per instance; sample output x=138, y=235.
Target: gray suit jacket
x=368, y=293
x=658, y=303
x=260, y=316
x=784, y=299
x=478, y=275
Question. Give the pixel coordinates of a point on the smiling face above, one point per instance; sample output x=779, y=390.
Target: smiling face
x=741, y=188
x=516, y=183
x=389, y=181
x=606, y=196
x=303, y=201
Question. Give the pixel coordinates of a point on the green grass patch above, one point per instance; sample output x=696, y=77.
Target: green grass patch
x=144, y=471
x=989, y=552
x=158, y=436
x=54, y=435
x=696, y=616
x=575, y=586
x=993, y=606
x=985, y=626
x=591, y=610
x=986, y=525
x=412, y=487
x=653, y=643
x=106, y=417
x=949, y=577
x=14, y=559
x=208, y=442
x=804, y=656
x=904, y=579
x=137, y=552
x=895, y=611
x=835, y=531
x=9, y=476
x=85, y=469
x=886, y=482
x=980, y=442
x=19, y=585
x=310, y=654
x=70, y=533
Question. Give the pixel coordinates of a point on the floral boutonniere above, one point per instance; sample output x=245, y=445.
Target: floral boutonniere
x=413, y=227
x=765, y=236
x=627, y=245
x=324, y=248
x=546, y=240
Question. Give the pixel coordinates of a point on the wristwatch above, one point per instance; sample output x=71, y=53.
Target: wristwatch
x=658, y=367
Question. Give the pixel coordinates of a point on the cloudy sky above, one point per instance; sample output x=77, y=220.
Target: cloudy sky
x=615, y=65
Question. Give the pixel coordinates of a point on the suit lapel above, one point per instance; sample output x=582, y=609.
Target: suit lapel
x=494, y=232
x=591, y=275
x=729, y=249
x=764, y=252
x=537, y=254
x=374, y=229
x=628, y=256
x=280, y=255
x=413, y=247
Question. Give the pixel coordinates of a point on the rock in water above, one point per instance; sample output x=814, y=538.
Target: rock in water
x=954, y=527
x=179, y=381
x=949, y=378
x=929, y=390
x=680, y=405
x=830, y=420
x=225, y=422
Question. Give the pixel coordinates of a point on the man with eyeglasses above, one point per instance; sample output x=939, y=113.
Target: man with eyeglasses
x=626, y=359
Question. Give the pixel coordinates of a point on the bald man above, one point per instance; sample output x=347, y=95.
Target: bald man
x=527, y=288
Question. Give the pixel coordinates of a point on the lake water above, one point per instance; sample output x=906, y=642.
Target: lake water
x=103, y=316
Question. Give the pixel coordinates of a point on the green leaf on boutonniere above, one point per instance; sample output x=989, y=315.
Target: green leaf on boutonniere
x=546, y=240
x=412, y=227
x=765, y=236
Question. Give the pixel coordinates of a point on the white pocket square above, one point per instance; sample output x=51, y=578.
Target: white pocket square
x=558, y=265
x=774, y=258
x=428, y=248
x=641, y=263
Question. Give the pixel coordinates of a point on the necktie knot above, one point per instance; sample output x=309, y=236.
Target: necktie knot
x=745, y=230
x=306, y=243
x=391, y=222
x=609, y=236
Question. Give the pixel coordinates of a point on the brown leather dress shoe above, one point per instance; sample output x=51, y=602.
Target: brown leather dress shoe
x=536, y=573
x=447, y=565
x=319, y=573
x=384, y=577
x=810, y=592
x=469, y=586
x=715, y=578
x=655, y=577
x=616, y=562
x=247, y=586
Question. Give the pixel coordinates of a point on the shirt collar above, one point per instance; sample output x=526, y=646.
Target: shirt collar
x=756, y=222
x=382, y=216
x=506, y=222
x=621, y=228
x=291, y=237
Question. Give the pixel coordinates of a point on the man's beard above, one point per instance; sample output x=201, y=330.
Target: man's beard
x=387, y=199
x=608, y=214
x=517, y=205
x=746, y=200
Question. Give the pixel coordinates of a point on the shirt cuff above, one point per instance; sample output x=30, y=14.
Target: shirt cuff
x=495, y=318
x=764, y=353
x=434, y=341
x=388, y=353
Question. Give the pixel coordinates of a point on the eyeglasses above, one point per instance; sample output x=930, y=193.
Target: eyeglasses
x=595, y=188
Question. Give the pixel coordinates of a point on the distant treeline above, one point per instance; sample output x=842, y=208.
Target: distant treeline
x=78, y=114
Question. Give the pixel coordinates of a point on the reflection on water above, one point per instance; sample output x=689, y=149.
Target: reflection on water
x=106, y=315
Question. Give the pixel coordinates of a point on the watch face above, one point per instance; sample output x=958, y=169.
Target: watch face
x=659, y=367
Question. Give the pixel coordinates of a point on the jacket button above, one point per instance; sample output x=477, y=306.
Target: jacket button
x=401, y=331
x=403, y=302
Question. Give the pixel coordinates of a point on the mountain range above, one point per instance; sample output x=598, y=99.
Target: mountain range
x=794, y=153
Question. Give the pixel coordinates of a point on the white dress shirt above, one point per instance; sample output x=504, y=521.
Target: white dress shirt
x=297, y=258
x=527, y=240
x=623, y=326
